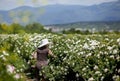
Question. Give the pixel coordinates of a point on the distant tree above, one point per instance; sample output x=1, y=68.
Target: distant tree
x=16, y=28
x=35, y=28
x=78, y=32
x=0, y=28
x=87, y=32
x=11, y=29
x=63, y=31
x=72, y=30
x=117, y=32
x=4, y=29
x=50, y=29
x=103, y=32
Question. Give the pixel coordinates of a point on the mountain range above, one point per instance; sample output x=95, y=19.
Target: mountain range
x=61, y=14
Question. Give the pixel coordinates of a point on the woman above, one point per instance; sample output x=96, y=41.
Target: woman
x=42, y=53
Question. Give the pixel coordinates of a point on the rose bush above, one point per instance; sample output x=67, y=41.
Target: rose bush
x=90, y=57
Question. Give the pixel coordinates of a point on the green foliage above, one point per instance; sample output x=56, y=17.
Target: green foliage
x=19, y=29
x=35, y=27
x=92, y=57
x=16, y=29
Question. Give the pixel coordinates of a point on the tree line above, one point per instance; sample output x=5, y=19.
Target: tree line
x=86, y=32
x=16, y=28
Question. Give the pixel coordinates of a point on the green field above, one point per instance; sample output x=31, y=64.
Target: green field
x=92, y=57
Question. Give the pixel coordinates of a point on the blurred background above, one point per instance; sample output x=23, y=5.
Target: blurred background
x=61, y=15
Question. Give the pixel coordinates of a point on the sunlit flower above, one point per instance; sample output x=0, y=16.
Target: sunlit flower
x=98, y=55
x=83, y=69
x=1, y=56
x=4, y=58
x=78, y=53
x=73, y=63
x=112, y=56
x=115, y=51
x=65, y=51
x=89, y=54
x=102, y=78
x=118, y=40
x=64, y=58
x=18, y=51
x=115, y=77
x=17, y=76
x=51, y=67
x=118, y=70
x=97, y=72
x=118, y=57
x=62, y=68
x=91, y=79
x=105, y=70
x=81, y=52
x=5, y=53
x=10, y=68
x=109, y=48
x=95, y=67
x=94, y=43
x=77, y=75
x=107, y=39
x=85, y=46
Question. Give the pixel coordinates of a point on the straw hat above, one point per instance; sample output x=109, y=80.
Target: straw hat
x=44, y=42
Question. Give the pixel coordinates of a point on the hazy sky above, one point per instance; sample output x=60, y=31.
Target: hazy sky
x=10, y=4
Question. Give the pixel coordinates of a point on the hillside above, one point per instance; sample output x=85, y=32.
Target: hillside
x=60, y=14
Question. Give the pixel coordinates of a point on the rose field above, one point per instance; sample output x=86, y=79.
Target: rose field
x=92, y=57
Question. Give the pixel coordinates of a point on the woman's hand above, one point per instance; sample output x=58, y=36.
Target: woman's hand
x=50, y=53
x=34, y=54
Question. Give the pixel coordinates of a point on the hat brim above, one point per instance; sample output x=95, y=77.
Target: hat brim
x=43, y=44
